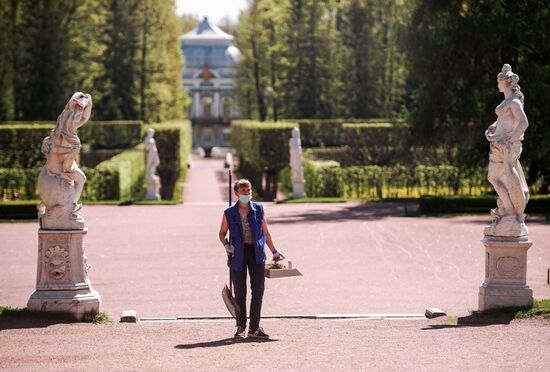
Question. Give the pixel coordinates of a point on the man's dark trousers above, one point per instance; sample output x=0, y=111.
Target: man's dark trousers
x=257, y=284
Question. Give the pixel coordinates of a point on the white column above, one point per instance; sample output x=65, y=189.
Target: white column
x=196, y=105
x=216, y=106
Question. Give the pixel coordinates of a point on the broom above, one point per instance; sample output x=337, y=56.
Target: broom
x=227, y=292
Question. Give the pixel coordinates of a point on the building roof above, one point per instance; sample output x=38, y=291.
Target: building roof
x=206, y=33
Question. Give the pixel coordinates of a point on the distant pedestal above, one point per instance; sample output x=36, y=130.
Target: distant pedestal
x=62, y=283
x=505, y=274
x=298, y=190
x=153, y=190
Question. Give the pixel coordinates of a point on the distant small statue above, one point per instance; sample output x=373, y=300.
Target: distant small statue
x=295, y=144
x=152, y=162
x=61, y=181
x=505, y=172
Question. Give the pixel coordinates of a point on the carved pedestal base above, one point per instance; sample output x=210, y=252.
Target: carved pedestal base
x=298, y=190
x=505, y=273
x=62, y=283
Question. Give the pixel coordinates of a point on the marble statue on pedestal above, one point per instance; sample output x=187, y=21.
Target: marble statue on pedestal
x=61, y=181
x=506, y=239
x=295, y=144
x=152, y=162
x=505, y=172
x=62, y=283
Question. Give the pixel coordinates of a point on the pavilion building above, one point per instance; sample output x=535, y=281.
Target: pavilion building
x=209, y=77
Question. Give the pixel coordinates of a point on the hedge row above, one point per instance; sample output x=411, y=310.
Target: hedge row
x=173, y=140
x=328, y=179
x=263, y=149
x=20, y=144
x=538, y=204
x=121, y=177
x=369, y=143
x=328, y=132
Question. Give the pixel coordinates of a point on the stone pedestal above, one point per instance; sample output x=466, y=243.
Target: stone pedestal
x=298, y=190
x=153, y=190
x=505, y=273
x=62, y=283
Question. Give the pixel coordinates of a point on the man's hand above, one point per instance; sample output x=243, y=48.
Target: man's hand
x=229, y=249
x=277, y=256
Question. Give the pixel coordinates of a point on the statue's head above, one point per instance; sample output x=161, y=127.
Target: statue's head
x=150, y=132
x=296, y=132
x=507, y=80
x=79, y=101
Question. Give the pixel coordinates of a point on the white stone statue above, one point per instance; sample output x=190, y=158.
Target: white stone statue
x=505, y=172
x=61, y=181
x=295, y=144
x=152, y=162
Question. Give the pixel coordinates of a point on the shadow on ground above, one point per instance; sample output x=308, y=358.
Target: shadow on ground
x=345, y=212
x=223, y=342
x=476, y=320
x=27, y=322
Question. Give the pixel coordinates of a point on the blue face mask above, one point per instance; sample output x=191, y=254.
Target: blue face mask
x=245, y=198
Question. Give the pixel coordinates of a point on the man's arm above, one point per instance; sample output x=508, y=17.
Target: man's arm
x=268, y=240
x=223, y=231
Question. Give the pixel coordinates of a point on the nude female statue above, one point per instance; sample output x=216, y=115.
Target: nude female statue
x=505, y=172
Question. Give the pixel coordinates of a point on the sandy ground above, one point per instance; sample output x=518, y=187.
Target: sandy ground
x=166, y=261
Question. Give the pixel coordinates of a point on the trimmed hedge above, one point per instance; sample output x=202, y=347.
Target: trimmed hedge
x=328, y=132
x=20, y=144
x=263, y=150
x=19, y=210
x=329, y=179
x=173, y=140
x=120, y=178
x=111, y=134
x=369, y=143
x=20, y=181
x=538, y=204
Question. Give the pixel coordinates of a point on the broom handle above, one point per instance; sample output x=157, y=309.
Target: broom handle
x=229, y=192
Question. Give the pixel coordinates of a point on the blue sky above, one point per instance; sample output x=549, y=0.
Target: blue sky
x=213, y=9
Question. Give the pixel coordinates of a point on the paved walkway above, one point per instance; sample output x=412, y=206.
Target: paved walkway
x=166, y=261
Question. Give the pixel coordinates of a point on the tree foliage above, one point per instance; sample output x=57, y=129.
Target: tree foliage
x=125, y=53
x=453, y=71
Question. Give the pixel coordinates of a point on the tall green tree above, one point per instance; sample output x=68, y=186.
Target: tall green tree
x=453, y=71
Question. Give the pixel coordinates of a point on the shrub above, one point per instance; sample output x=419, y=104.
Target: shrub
x=111, y=134
x=20, y=181
x=20, y=145
x=328, y=132
x=328, y=179
x=263, y=151
x=173, y=140
x=119, y=178
x=369, y=143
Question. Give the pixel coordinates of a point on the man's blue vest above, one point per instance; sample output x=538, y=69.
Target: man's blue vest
x=255, y=220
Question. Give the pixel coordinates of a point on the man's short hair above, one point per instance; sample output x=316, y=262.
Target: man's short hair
x=241, y=183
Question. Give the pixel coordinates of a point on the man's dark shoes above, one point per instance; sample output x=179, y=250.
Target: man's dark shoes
x=240, y=332
x=258, y=333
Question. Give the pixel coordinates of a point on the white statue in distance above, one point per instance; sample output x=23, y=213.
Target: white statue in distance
x=505, y=172
x=295, y=145
x=152, y=162
x=61, y=181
